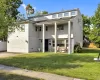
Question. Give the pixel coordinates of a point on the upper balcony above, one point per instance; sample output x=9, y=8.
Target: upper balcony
x=57, y=15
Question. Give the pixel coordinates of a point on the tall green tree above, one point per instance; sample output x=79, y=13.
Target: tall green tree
x=40, y=13
x=44, y=12
x=86, y=25
x=96, y=18
x=8, y=12
x=95, y=32
x=10, y=7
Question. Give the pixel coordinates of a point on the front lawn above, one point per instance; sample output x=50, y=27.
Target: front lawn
x=7, y=76
x=75, y=65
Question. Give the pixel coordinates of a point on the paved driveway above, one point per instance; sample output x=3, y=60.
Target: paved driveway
x=5, y=54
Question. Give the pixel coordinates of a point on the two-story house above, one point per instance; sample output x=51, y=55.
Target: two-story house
x=47, y=33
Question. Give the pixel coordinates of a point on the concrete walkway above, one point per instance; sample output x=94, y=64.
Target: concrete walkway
x=5, y=54
x=34, y=74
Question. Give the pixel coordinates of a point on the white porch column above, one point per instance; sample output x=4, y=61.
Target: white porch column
x=65, y=43
x=43, y=38
x=69, y=37
x=55, y=37
x=72, y=45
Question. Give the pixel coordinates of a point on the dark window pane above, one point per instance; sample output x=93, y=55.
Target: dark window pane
x=60, y=27
x=46, y=28
x=35, y=28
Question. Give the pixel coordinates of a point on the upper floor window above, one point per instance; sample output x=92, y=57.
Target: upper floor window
x=46, y=28
x=36, y=29
x=73, y=13
x=54, y=16
x=60, y=27
x=60, y=15
x=66, y=14
x=39, y=28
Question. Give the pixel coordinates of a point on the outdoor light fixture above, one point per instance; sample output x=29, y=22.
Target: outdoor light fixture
x=26, y=41
x=8, y=41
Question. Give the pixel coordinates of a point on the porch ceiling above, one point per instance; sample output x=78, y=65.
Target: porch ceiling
x=52, y=21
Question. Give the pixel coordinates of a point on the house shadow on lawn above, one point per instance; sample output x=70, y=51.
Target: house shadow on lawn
x=90, y=50
x=6, y=76
x=48, y=62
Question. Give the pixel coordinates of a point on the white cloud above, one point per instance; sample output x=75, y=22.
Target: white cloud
x=24, y=6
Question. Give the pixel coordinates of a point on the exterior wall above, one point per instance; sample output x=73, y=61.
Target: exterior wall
x=3, y=46
x=60, y=33
x=33, y=38
x=78, y=30
x=18, y=41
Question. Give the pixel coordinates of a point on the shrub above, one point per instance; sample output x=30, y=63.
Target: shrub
x=97, y=45
x=77, y=48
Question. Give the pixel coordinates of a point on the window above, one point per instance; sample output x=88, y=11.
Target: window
x=60, y=43
x=60, y=15
x=60, y=27
x=73, y=13
x=66, y=14
x=36, y=29
x=46, y=28
x=53, y=43
x=54, y=16
x=39, y=28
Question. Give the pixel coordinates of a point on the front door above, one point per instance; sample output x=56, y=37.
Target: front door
x=46, y=45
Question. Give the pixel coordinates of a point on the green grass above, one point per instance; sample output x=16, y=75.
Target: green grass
x=75, y=65
x=91, y=50
x=7, y=76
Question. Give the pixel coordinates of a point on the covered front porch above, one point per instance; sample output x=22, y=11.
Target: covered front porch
x=55, y=43
x=62, y=45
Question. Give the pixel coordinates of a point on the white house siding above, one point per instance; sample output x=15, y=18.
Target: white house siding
x=18, y=41
x=78, y=30
x=33, y=38
x=60, y=33
x=3, y=46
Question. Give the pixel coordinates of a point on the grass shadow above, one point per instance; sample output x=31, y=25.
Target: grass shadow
x=6, y=76
x=90, y=50
x=49, y=62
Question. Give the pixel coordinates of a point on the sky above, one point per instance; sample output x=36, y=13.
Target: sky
x=86, y=7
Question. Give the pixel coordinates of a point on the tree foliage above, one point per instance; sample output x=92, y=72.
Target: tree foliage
x=96, y=18
x=86, y=24
x=95, y=32
x=37, y=13
x=8, y=12
x=44, y=12
x=29, y=10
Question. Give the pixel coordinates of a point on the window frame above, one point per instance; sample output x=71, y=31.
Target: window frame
x=36, y=28
x=72, y=13
x=61, y=15
x=54, y=16
x=46, y=28
x=40, y=29
x=66, y=15
x=60, y=27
